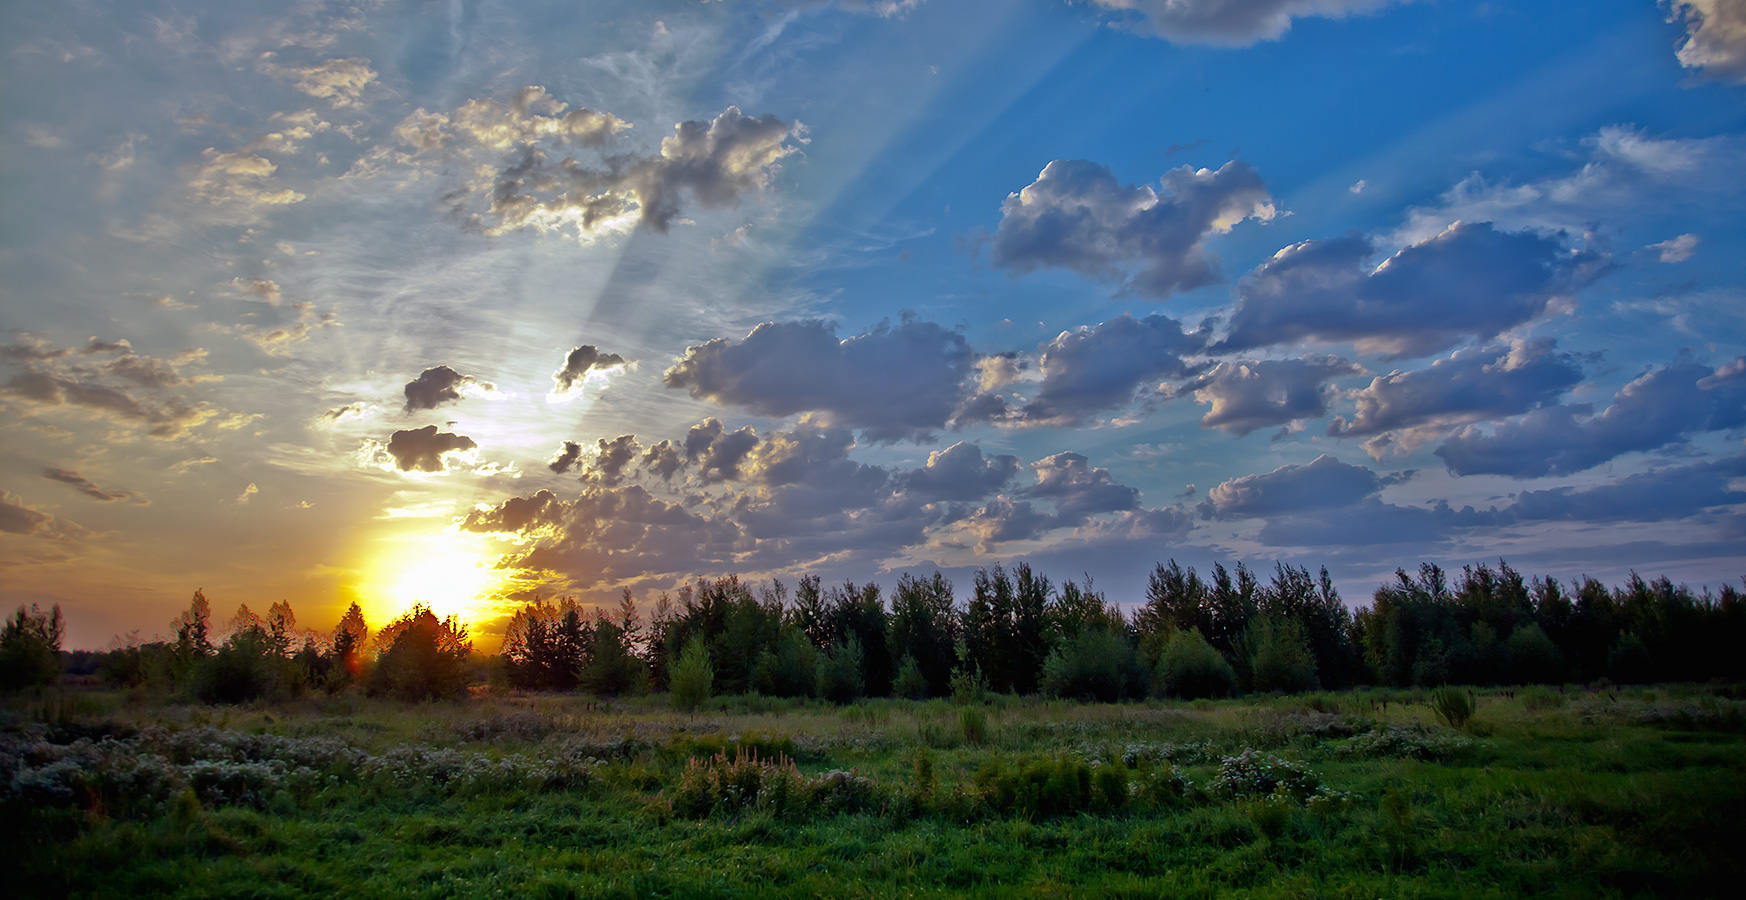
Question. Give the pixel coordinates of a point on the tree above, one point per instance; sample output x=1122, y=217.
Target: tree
x=426, y=657
x=350, y=637
x=693, y=676
x=30, y=648
x=1282, y=658
x=924, y=629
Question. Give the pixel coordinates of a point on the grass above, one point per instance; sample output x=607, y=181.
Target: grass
x=1607, y=794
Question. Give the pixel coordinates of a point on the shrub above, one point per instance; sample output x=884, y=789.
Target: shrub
x=1095, y=663
x=839, y=672
x=241, y=670
x=789, y=668
x=1453, y=705
x=910, y=681
x=30, y=648
x=1035, y=788
x=1533, y=658
x=1191, y=668
x=692, y=677
x=1283, y=660
x=973, y=724
x=426, y=657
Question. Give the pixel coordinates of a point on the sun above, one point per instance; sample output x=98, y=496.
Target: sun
x=446, y=571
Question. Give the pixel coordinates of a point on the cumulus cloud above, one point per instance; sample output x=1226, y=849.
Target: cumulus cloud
x=424, y=449
x=440, y=384
x=891, y=382
x=1407, y=409
x=340, y=82
x=582, y=365
x=663, y=459
x=340, y=414
x=1227, y=23
x=1078, y=490
x=527, y=171
x=90, y=489
x=1248, y=395
x=1670, y=493
x=960, y=472
x=1094, y=368
x=1077, y=216
x=1715, y=37
x=612, y=459
x=1470, y=280
x=566, y=457
x=1656, y=409
x=1324, y=483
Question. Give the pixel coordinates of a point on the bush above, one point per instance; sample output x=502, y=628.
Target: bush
x=693, y=676
x=787, y=669
x=1453, y=705
x=1283, y=659
x=1094, y=664
x=1533, y=658
x=973, y=723
x=839, y=672
x=243, y=669
x=30, y=648
x=1191, y=668
x=910, y=682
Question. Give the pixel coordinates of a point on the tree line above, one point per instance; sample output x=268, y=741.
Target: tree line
x=1224, y=633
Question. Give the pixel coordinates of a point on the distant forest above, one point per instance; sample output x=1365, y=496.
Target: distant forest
x=1017, y=632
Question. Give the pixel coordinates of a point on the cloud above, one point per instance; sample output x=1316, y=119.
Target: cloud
x=527, y=172
x=424, y=449
x=87, y=487
x=127, y=387
x=1370, y=522
x=1250, y=395
x=662, y=459
x=566, y=457
x=18, y=517
x=441, y=384
x=1471, y=385
x=1227, y=23
x=582, y=365
x=1715, y=37
x=718, y=455
x=342, y=413
x=240, y=183
x=891, y=382
x=1090, y=369
x=1470, y=280
x=612, y=459
x=247, y=492
x=340, y=82
x=277, y=340
x=1670, y=493
x=959, y=472
x=1324, y=483
x=1625, y=168
x=1654, y=410
x=1077, y=490
x=1675, y=250
x=1077, y=216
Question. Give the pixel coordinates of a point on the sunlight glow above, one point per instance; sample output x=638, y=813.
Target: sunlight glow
x=447, y=571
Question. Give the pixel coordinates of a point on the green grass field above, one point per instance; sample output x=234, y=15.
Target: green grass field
x=1612, y=793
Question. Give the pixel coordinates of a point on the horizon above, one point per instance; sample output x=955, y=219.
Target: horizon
x=351, y=303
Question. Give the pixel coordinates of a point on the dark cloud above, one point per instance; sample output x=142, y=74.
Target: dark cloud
x=1654, y=410
x=1250, y=395
x=17, y=517
x=578, y=363
x=1077, y=216
x=1004, y=519
x=891, y=382
x=516, y=515
x=959, y=472
x=438, y=385
x=1324, y=483
x=566, y=457
x=1226, y=23
x=89, y=488
x=1671, y=493
x=422, y=449
x=1471, y=280
x=1472, y=384
x=1091, y=369
x=338, y=414
x=540, y=180
x=128, y=387
x=717, y=452
x=662, y=459
x=1369, y=522
x=612, y=459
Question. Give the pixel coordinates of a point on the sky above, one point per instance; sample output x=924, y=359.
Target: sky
x=471, y=302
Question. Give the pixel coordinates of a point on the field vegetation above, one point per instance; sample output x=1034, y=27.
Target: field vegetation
x=1498, y=737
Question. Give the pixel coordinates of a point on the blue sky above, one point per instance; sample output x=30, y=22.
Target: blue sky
x=305, y=302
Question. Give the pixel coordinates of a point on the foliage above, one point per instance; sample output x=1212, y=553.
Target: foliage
x=839, y=672
x=910, y=682
x=425, y=659
x=1190, y=668
x=693, y=676
x=1094, y=664
x=1281, y=657
x=1453, y=705
x=30, y=648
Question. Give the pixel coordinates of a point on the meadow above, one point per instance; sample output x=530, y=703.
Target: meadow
x=1548, y=792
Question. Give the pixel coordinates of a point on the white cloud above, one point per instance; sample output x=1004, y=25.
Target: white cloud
x=1227, y=23
x=1675, y=250
x=1715, y=37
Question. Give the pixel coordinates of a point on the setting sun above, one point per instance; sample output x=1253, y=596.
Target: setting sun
x=447, y=572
